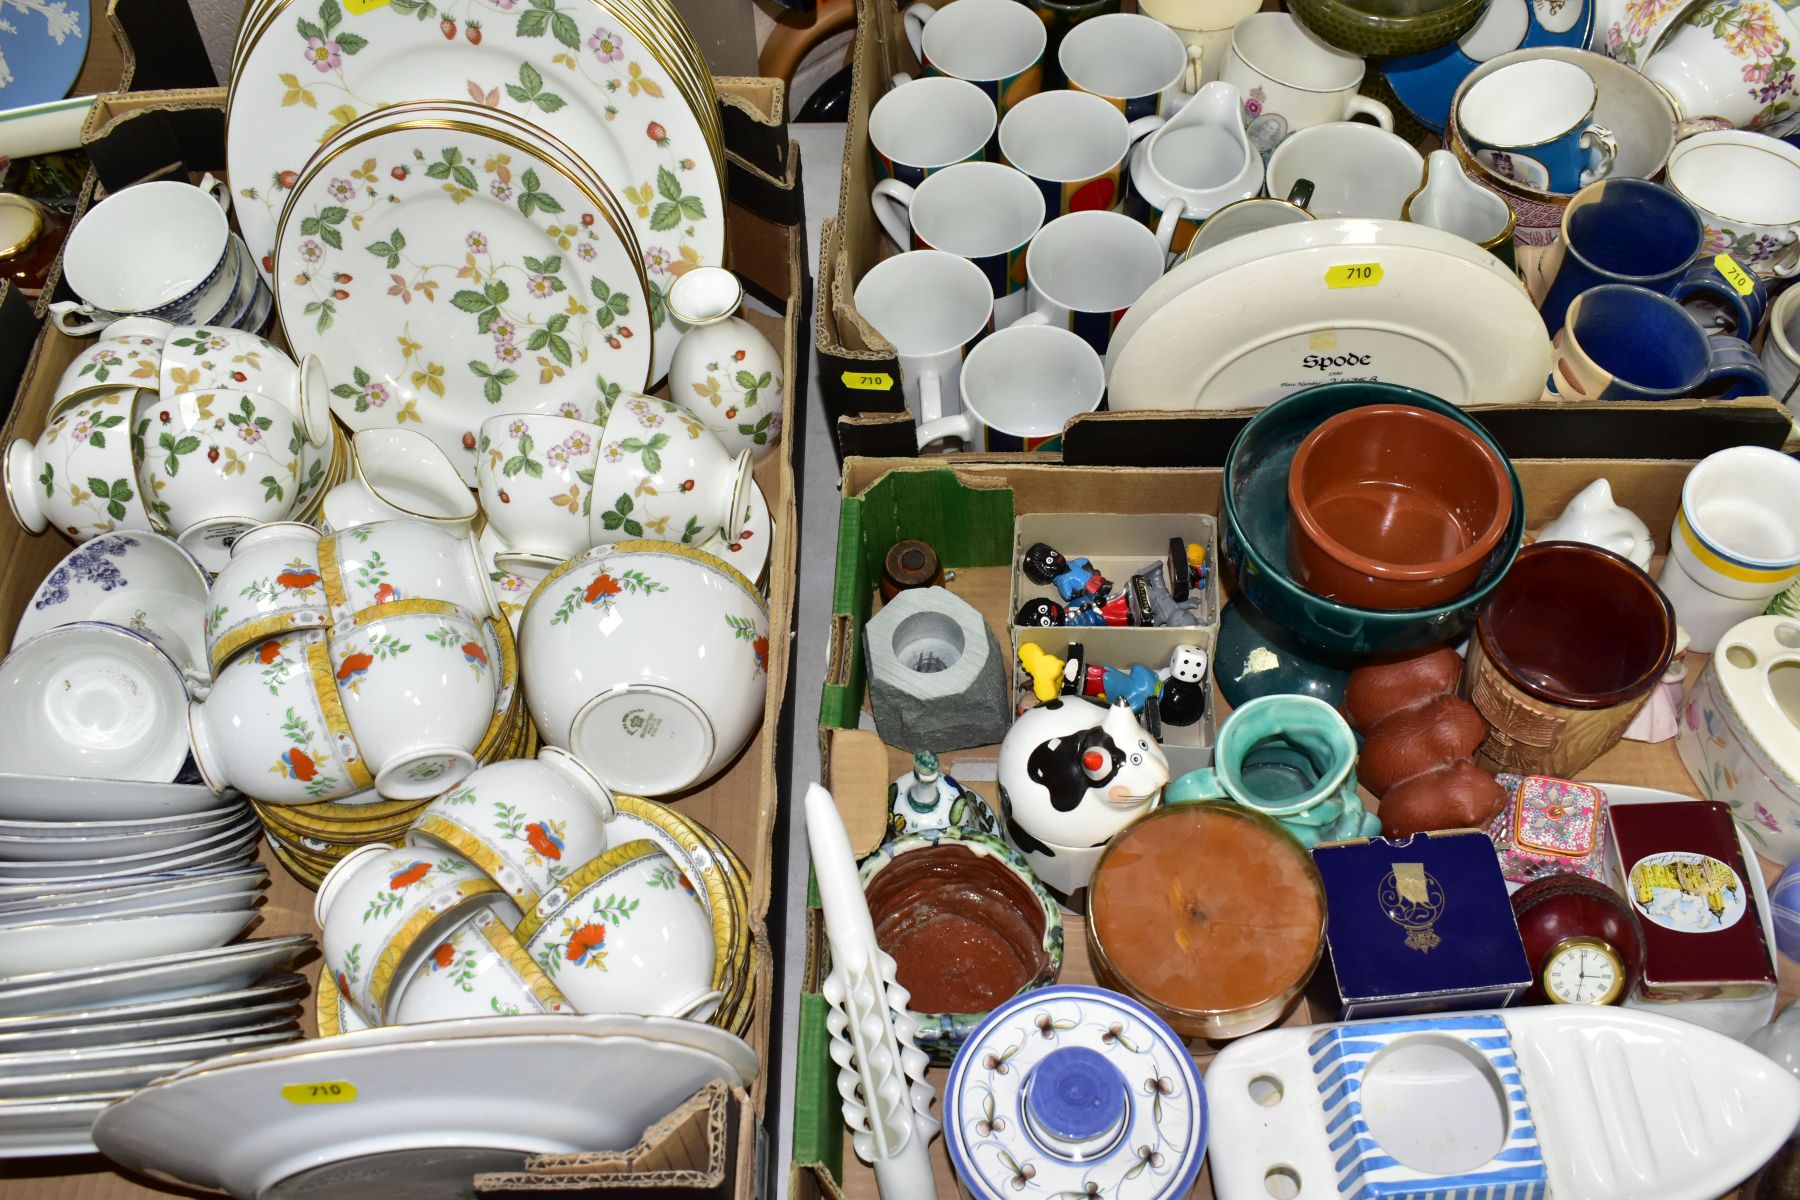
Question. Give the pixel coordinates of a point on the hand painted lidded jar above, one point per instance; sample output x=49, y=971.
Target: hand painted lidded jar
x=724, y=371
x=926, y=798
x=1070, y=1087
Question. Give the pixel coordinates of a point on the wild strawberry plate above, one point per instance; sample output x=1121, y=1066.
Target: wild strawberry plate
x=445, y=271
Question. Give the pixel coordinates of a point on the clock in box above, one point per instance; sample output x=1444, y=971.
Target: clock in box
x=1683, y=871
x=1417, y=925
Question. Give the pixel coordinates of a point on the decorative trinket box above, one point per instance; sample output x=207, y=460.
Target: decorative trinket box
x=1550, y=827
x=1418, y=925
x=1684, y=872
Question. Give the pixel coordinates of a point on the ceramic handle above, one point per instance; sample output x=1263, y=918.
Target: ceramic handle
x=931, y=398
x=217, y=190
x=1143, y=126
x=1600, y=140
x=957, y=425
x=64, y=311
x=1169, y=221
x=1380, y=113
x=1195, y=785
x=1194, y=74
x=913, y=21
x=1791, y=242
x=1301, y=194
x=892, y=202
x=1036, y=316
x=1735, y=364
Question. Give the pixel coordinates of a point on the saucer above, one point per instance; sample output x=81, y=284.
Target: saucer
x=25, y=797
x=144, y=979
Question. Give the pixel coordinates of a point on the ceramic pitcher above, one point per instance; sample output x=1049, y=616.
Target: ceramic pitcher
x=1193, y=166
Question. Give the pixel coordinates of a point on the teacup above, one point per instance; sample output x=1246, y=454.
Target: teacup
x=417, y=686
x=1205, y=27
x=929, y=339
x=1733, y=62
x=270, y=585
x=535, y=474
x=1356, y=170
x=662, y=473
x=400, y=473
x=1746, y=188
x=1533, y=122
x=626, y=933
x=129, y=354
x=648, y=661
x=1198, y=163
x=1020, y=387
x=382, y=910
x=984, y=212
x=1292, y=758
x=478, y=970
x=163, y=249
x=924, y=125
x=1629, y=343
x=1735, y=542
x=79, y=475
x=92, y=700
x=1619, y=231
x=388, y=561
x=1136, y=62
x=1248, y=216
x=201, y=359
x=1290, y=80
x=527, y=823
x=1781, y=347
x=273, y=727
x=1073, y=145
x=1449, y=200
x=997, y=45
x=1086, y=269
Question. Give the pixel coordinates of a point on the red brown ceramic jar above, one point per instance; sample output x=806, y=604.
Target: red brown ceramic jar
x=1394, y=507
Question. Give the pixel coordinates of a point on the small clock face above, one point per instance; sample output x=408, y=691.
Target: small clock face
x=1583, y=971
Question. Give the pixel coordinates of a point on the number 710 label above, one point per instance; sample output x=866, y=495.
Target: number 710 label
x=331, y=1092
x=1353, y=275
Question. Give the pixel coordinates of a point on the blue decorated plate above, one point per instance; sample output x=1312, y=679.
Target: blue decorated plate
x=1425, y=83
x=42, y=45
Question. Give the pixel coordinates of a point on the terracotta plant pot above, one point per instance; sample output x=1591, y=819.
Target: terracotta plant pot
x=1395, y=507
x=1565, y=653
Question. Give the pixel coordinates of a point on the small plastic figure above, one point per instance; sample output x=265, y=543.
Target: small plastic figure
x=1045, y=670
x=1073, y=581
x=1041, y=612
x=1109, y=684
x=1183, y=697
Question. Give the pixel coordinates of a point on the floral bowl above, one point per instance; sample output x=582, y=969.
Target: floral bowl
x=270, y=585
x=79, y=475
x=379, y=563
x=663, y=474
x=478, y=970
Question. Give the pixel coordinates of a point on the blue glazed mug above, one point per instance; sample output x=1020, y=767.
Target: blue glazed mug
x=1291, y=758
x=1619, y=231
x=1630, y=343
x=1724, y=296
x=1533, y=122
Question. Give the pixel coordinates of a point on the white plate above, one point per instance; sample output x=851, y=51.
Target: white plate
x=141, y=1069
x=1253, y=333
x=249, y=1018
x=203, y=1009
x=598, y=90
x=62, y=797
x=242, y=900
x=41, y=1127
x=235, y=844
x=139, y=980
x=104, y=901
x=85, y=846
x=17, y=893
x=495, y=257
x=121, y=1056
x=74, y=828
x=538, y=1093
x=75, y=942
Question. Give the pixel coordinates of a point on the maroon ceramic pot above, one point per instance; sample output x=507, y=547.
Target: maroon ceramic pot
x=1394, y=507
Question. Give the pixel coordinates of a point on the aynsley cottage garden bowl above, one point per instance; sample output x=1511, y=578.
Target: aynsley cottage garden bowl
x=648, y=661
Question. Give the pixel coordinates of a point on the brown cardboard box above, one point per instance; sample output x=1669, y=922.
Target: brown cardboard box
x=181, y=133
x=859, y=766
x=859, y=376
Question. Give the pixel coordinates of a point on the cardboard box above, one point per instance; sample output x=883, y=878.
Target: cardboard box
x=859, y=375
x=181, y=134
x=887, y=498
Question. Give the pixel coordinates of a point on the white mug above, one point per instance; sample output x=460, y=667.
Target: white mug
x=1735, y=542
x=1073, y=146
x=1356, y=170
x=1291, y=80
x=1020, y=386
x=1205, y=27
x=1781, y=348
x=927, y=124
x=929, y=305
x=1086, y=269
x=1137, y=63
x=998, y=45
x=984, y=212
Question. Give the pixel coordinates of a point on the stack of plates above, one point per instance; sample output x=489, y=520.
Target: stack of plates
x=120, y=906
x=524, y=188
x=309, y=839
x=417, y=1110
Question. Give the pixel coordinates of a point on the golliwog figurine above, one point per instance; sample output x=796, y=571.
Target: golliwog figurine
x=1182, y=700
x=1074, y=581
x=926, y=798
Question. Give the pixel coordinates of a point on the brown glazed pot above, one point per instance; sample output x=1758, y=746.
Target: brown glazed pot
x=1394, y=507
x=1565, y=652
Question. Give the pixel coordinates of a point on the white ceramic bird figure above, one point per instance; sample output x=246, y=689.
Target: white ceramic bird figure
x=1591, y=516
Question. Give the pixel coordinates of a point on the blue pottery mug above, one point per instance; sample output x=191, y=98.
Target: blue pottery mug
x=1533, y=122
x=1630, y=343
x=1724, y=296
x=1291, y=758
x=1619, y=231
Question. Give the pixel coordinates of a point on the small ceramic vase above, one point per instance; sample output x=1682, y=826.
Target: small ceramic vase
x=925, y=798
x=725, y=371
x=478, y=970
x=79, y=475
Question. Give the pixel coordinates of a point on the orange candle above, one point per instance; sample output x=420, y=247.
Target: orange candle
x=1210, y=914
